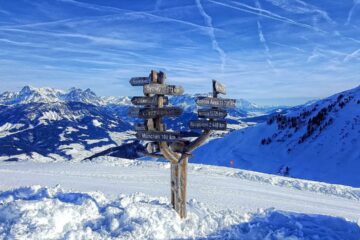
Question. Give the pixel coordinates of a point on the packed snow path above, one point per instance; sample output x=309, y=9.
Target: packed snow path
x=217, y=187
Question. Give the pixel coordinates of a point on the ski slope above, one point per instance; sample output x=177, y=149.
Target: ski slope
x=222, y=202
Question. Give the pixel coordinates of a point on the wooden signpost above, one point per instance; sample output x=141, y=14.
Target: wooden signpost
x=218, y=87
x=160, y=112
x=149, y=112
x=156, y=88
x=212, y=113
x=140, y=127
x=216, y=102
x=158, y=136
x=151, y=101
x=168, y=144
x=203, y=124
x=139, y=81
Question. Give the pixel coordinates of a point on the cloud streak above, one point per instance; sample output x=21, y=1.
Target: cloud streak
x=301, y=7
x=351, y=12
x=267, y=14
x=4, y=12
x=270, y=15
x=211, y=33
x=158, y=4
x=263, y=40
x=266, y=47
x=130, y=13
x=354, y=55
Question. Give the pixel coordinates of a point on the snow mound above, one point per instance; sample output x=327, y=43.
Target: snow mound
x=51, y=213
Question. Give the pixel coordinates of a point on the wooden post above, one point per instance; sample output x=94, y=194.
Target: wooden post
x=179, y=186
x=183, y=187
x=175, y=173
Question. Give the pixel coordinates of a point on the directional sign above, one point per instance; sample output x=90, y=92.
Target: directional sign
x=133, y=112
x=203, y=124
x=140, y=127
x=216, y=102
x=155, y=88
x=153, y=101
x=212, y=113
x=158, y=136
x=160, y=112
x=139, y=81
x=218, y=87
x=152, y=147
x=155, y=112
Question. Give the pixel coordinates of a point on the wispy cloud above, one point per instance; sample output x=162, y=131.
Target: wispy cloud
x=211, y=33
x=328, y=55
x=351, y=12
x=288, y=46
x=134, y=14
x=263, y=40
x=2, y=11
x=265, y=13
x=110, y=41
x=158, y=4
x=354, y=55
x=17, y=43
x=266, y=47
x=93, y=6
x=301, y=7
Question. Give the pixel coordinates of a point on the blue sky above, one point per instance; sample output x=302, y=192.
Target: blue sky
x=267, y=51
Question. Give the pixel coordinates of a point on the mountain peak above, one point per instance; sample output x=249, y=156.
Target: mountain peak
x=27, y=88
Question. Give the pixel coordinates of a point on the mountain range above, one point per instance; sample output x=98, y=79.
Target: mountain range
x=50, y=124
x=318, y=140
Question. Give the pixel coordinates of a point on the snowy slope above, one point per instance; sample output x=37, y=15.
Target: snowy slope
x=125, y=199
x=319, y=141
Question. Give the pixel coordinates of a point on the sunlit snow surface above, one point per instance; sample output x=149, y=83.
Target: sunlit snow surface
x=111, y=198
x=51, y=213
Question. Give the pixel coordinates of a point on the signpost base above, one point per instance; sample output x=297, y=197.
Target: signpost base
x=178, y=186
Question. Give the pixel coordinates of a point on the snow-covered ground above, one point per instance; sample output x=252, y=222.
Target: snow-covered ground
x=126, y=199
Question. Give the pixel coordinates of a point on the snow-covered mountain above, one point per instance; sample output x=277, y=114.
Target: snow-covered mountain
x=30, y=94
x=52, y=124
x=319, y=141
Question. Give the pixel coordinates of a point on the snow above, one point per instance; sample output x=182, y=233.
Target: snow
x=6, y=128
x=121, y=137
x=93, y=141
x=75, y=150
x=96, y=123
x=51, y=116
x=330, y=154
x=112, y=198
x=52, y=213
x=68, y=130
x=218, y=187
